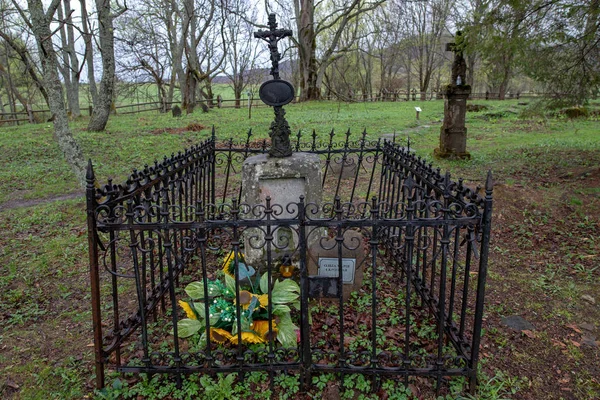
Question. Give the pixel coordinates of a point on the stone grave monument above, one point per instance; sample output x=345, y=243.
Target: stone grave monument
x=176, y=111
x=453, y=135
x=324, y=261
x=281, y=175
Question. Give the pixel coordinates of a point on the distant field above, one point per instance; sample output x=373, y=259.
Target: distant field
x=127, y=94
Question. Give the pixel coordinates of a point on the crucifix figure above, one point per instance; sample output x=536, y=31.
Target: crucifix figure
x=276, y=92
x=459, y=66
x=272, y=37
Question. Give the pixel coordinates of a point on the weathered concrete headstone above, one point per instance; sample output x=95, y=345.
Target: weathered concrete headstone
x=283, y=180
x=219, y=101
x=189, y=109
x=453, y=135
x=324, y=261
x=176, y=111
x=204, y=107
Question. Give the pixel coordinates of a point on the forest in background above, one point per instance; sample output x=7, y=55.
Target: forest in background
x=340, y=48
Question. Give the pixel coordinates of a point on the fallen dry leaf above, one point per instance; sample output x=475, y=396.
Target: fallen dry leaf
x=576, y=344
x=12, y=384
x=529, y=334
x=574, y=327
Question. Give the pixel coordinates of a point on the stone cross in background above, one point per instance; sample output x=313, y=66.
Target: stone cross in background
x=276, y=92
x=459, y=66
x=453, y=135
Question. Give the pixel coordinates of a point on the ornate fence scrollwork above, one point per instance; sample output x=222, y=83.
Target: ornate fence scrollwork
x=424, y=243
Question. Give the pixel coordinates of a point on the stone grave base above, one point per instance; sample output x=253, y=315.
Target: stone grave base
x=284, y=180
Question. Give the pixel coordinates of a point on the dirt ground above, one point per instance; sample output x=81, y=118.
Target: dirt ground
x=544, y=267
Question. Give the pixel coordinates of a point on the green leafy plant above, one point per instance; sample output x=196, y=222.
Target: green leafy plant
x=221, y=302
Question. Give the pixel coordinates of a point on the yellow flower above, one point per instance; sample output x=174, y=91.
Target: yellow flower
x=262, y=328
x=246, y=298
x=188, y=309
x=229, y=263
x=263, y=300
x=219, y=335
x=247, y=337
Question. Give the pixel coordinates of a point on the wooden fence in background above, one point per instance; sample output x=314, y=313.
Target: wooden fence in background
x=31, y=115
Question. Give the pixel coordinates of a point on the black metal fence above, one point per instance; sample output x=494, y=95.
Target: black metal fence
x=419, y=242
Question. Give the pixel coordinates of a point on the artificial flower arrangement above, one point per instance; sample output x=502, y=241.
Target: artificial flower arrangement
x=254, y=304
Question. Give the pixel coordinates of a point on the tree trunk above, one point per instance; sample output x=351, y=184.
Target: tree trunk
x=69, y=71
x=74, y=64
x=505, y=77
x=470, y=78
x=307, y=47
x=41, y=29
x=107, y=84
x=25, y=58
x=209, y=93
x=89, y=55
x=12, y=91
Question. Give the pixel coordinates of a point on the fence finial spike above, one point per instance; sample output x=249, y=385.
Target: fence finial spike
x=89, y=175
x=489, y=182
x=213, y=133
x=447, y=183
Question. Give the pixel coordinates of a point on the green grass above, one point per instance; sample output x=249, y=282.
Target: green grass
x=32, y=158
x=44, y=297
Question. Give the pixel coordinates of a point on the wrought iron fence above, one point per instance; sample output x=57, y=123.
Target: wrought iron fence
x=419, y=243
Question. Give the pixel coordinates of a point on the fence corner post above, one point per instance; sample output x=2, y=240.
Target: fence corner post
x=94, y=274
x=483, y=263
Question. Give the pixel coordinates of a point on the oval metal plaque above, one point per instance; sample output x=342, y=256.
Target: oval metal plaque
x=276, y=92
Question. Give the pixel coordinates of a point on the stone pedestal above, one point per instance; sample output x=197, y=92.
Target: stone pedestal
x=284, y=180
x=453, y=135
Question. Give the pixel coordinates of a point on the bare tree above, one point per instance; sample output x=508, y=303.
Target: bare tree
x=390, y=31
x=89, y=55
x=19, y=68
x=39, y=22
x=143, y=50
x=70, y=66
x=426, y=22
x=242, y=51
x=319, y=29
x=107, y=50
x=203, y=50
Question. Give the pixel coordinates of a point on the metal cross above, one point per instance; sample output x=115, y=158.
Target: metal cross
x=272, y=36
